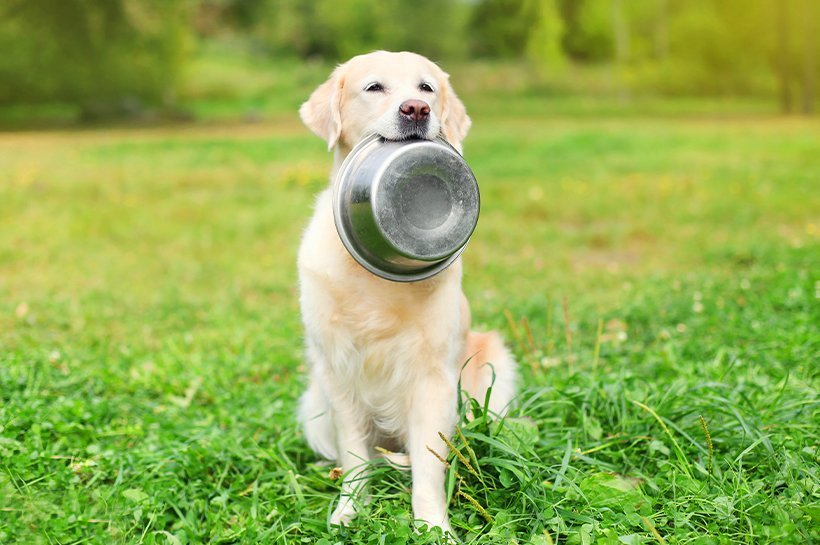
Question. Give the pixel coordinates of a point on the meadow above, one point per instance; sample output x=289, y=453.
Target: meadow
x=653, y=265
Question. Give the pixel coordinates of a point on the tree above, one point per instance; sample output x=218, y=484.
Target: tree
x=810, y=55
x=797, y=53
x=101, y=55
x=545, y=35
x=339, y=29
x=500, y=28
x=784, y=58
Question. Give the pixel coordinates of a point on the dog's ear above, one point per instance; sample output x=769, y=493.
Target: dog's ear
x=322, y=111
x=454, y=119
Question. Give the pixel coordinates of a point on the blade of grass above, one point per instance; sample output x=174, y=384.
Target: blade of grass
x=514, y=329
x=678, y=451
x=598, y=343
x=567, y=333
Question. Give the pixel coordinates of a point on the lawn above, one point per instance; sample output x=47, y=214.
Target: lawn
x=656, y=273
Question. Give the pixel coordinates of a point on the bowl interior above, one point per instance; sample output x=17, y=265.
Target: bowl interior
x=425, y=201
x=405, y=210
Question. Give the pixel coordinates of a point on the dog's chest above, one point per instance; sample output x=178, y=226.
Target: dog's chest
x=375, y=339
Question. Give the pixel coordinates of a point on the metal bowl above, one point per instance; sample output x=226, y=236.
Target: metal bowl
x=405, y=210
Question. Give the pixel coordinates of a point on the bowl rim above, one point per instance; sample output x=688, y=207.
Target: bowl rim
x=349, y=241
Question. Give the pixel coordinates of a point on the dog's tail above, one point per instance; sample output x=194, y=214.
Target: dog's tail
x=489, y=364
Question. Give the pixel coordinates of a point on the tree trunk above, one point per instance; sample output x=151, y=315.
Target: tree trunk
x=809, y=57
x=620, y=32
x=662, y=30
x=783, y=62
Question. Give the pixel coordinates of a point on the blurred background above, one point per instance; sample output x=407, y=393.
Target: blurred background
x=93, y=60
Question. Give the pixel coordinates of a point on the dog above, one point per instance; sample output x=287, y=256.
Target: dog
x=385, y=358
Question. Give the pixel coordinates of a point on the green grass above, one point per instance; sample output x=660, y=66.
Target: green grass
x=150, y=344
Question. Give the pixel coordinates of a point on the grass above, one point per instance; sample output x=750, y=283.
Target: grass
x=658, y=273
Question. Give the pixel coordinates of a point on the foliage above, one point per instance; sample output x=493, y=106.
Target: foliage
x=544, y=40
x=327, y=30
x=105, y=55
x=715, y=47
x=117, y=56
x=589, y=30
x=501, y=27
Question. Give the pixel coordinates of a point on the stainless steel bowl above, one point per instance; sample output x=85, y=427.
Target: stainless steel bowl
x=405, y=210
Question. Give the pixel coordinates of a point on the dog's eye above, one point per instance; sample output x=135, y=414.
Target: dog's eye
x=374, y=87
x=426, y=87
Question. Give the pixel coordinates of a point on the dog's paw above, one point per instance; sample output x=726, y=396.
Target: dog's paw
x=345, y=512
x=448, y=535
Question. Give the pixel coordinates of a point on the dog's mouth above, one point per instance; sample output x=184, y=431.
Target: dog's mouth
x=405, y=134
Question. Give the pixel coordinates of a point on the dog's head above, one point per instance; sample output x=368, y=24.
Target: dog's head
x=395, y=95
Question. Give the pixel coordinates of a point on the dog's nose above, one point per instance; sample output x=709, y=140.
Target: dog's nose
x=415, y=110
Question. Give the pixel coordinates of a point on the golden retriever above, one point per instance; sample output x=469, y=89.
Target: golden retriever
x=385, y=357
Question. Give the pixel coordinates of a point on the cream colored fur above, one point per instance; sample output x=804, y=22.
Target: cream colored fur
x=385, y=357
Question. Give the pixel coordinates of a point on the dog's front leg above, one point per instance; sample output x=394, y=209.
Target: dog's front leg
x=433, y=411
x=353, y=456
